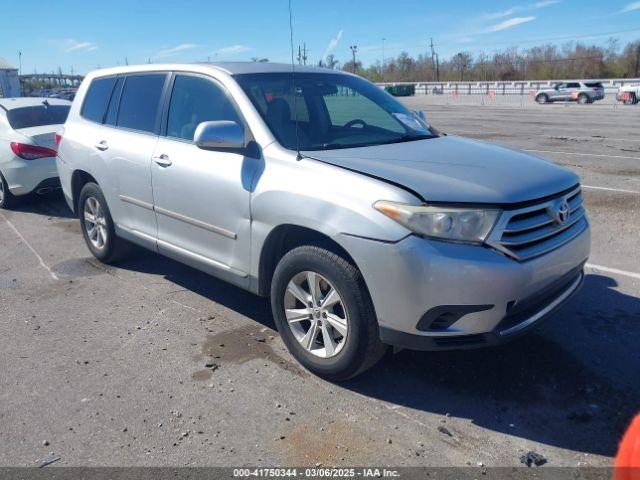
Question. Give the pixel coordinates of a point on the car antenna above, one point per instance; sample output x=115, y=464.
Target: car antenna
x=293, y=79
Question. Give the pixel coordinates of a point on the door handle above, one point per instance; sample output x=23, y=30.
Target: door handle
x=162, y=160
x=102, y=145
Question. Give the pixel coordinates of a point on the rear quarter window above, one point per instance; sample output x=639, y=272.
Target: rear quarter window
x=97, y=98
x=37, y=116
x=594, y=85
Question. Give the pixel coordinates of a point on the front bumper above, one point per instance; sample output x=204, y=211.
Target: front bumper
x=25, y=176
x=511, y=327
x=415, y=276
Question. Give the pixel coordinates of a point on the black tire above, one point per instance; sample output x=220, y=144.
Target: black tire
x=542, y=99
x=114, y=248
x=583, y=99
x=7, y=199
x=631, y=99
x=362, y=346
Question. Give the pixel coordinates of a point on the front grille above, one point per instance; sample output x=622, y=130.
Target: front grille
x=528, y=232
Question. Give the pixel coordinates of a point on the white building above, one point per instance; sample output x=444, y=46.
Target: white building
x=9, y=82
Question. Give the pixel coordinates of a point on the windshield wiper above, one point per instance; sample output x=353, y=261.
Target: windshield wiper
x=409, y=138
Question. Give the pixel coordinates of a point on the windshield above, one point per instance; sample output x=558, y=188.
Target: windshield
x=332, y=111
x=37, y=116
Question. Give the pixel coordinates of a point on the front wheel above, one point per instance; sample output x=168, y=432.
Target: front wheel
x=542, y=99
x=7, y=199
x=324, y=313
x=97, y=226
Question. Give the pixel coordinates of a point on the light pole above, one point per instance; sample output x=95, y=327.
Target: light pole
x=354, y=49
x=19, y=62
x=382, y=71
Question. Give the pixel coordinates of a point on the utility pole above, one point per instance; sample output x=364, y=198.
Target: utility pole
x=637, y=73
x=433, y=57
x=304, y=53
x=382, y=71
x=460, y=65
x=354, y=49
x=437, y=68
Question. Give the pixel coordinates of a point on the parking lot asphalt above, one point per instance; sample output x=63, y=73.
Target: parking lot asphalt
x=153, y=363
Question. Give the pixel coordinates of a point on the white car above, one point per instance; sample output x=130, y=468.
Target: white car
x=28, y=146
x=629, y=94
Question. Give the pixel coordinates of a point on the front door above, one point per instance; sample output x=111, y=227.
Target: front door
x=202, y=197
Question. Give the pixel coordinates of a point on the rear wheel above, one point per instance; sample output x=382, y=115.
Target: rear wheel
x=324, y=313
x=542, y=99
x=97, y=226
x=583, y=99
x=7, y=199
x=631, y=99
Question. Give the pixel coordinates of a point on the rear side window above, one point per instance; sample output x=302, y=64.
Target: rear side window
x=37, y=116
x=573, y=85
x=95, y=102
x=140, y=102
x=195, y=100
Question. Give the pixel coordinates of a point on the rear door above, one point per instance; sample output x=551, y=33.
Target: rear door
x=572, y=90
x=126, y=142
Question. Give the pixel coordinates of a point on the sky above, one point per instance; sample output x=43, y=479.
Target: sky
x=76, y=36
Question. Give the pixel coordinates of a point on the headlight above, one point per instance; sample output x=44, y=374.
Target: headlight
x=445, y=223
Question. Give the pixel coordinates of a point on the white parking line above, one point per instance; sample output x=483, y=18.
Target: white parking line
x=583, y=154
x=611, y=189
x=600, y=268
x=33, y=250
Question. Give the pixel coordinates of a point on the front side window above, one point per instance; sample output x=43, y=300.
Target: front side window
x=37, y=116
x=328, y=111
x=95, y=102
x=195, y=100
x=140, y=102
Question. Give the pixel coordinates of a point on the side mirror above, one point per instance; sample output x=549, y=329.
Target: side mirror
x=219, y=135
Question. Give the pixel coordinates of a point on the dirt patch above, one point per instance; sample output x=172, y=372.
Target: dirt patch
x=242, y=345
x=328, y=443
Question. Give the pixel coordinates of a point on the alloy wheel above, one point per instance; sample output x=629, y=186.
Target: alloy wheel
x=95, y=223
x=316, y=314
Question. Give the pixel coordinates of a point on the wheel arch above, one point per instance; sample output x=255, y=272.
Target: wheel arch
x=79, y=179
x=283, y=239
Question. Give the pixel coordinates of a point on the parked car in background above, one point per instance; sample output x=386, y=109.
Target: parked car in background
x=28, y=146
x=629, y=94
x=364, y=225
x=65, y=95
x=581, y=92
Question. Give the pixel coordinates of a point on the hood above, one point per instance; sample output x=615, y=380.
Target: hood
x=455, y=169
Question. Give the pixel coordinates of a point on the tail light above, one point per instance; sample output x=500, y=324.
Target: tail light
x=59, y=135
x=31, y=152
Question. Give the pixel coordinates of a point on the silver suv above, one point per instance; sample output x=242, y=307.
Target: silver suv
x=581, y=92
x=364, y=225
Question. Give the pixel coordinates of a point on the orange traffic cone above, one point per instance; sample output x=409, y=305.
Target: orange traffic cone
x=627, y=465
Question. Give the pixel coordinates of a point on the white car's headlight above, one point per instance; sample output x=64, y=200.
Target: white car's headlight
x=470, y=225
